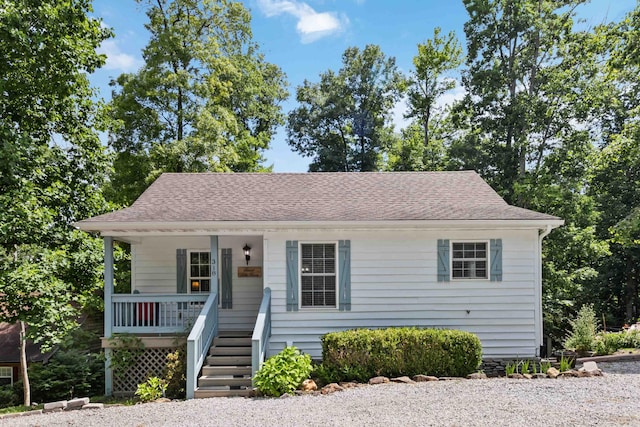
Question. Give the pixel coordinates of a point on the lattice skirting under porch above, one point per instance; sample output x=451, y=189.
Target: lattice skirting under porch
x=151, y=362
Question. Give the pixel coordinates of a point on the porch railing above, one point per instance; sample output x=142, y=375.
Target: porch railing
x=154, y=313
x=204, y=330
x=261, y=333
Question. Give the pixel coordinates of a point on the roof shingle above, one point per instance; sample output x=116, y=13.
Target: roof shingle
x=294, y=197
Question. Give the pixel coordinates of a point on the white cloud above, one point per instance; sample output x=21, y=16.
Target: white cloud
x=311, y=25
x=118, y=60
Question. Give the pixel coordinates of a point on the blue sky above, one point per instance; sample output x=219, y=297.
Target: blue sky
x=305, y=38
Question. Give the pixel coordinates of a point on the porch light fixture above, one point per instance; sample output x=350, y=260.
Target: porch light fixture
x=247, y=252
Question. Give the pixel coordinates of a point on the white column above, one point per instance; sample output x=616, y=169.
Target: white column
x=108, y=306
x=215, y=262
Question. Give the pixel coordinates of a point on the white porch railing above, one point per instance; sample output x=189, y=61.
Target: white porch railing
x=202, y=333
x=154, y=313
x=261, y=333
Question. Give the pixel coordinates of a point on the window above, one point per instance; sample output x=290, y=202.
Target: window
x=318, y=275
x=6, y=375
x=199, y=272
x=469, y=260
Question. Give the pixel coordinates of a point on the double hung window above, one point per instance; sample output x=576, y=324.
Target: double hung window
x=199, y=272
x=318, y=275
x=469, y=260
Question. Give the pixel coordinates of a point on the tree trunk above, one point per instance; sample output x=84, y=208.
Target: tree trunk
x=631, y=292
x=23, y=364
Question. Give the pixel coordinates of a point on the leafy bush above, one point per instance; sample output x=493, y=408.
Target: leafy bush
x=153, y=389
x=610, y=342
x=9, y=397
x=360, y=354
x=175, y=373
x=68, y=374
x=283, y=373
x=583, y=330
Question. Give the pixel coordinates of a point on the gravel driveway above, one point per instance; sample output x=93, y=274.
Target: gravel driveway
x=603, y=401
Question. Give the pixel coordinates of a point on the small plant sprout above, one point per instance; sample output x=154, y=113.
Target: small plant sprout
x=510, y=369
x=534, y=367
x=524, y=367
x=565, y=363
x=544, y=366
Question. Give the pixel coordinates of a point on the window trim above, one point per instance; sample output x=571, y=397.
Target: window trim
x=336, y=244
x=488, y=266
x=189, y=251
x=10, y=368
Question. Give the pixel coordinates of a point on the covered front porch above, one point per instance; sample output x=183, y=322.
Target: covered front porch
x=193, y=286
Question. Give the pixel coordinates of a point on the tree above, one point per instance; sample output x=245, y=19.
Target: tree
x=51, y=167
x=205, y=100
x=428, y=81
x=344, y=121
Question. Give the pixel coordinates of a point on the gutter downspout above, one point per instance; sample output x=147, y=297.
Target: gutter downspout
x=539, y=318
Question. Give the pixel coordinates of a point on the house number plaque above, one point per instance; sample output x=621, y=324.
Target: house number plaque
x=249, y=271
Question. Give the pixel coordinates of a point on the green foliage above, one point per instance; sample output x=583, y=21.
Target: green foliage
x=126, y=349
x=283, y=373
x=344, y=121
x=363, y=353
x=205, y=99
x=511, y=368
x=9, y=396
x=524, y=366
x=583, y=330
x=68, y=374
x=153, y=389
x=610, y=342
x=566, y=363
x=175, y=373
x=544, y=366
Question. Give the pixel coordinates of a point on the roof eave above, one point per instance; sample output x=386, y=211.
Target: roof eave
x=107, y=228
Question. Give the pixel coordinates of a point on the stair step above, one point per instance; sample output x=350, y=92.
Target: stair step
x=232, y=341
x=209, y=371
x=234, y=334
x=230, y=351
x=228, y=360
x=201, y=393
x=224, y=381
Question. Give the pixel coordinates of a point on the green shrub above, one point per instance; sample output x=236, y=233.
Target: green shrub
x=283, y=373
x=154, y=388
x=360, y=354
x=583, y=330
x=68, y=374
x=610, y=342
x=9, y=397
x=175, y=373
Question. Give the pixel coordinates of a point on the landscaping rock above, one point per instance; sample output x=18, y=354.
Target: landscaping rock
x=448, y=378
x=93, y=406
x=477, y=376
x=423, y=378
x=516, y=376
x=351, y=384
x=378, y=380
x=569, y=374
x=162, y=400
x=285, y=396
x=405, y=380
x=527, y=376
x=76, y=403
x=53, y=406
x=331, y=388
x=589, y=367
x=553, y=373
x=309, y=385
x=539, y=376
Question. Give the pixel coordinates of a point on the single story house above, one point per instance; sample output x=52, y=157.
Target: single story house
x=254, y=262
x=10, y=353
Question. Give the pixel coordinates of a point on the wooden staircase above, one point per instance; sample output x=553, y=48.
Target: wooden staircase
x=228, y=367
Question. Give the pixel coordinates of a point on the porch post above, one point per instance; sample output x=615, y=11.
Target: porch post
x=214, y=266
x=108, y=305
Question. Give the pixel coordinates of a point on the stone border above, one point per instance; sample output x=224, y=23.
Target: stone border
x=610, y=358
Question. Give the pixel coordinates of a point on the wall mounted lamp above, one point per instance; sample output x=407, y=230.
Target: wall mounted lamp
x=247, y=252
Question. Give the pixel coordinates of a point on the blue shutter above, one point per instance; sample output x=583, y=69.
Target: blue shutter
x=344, y=269
x=292, y=275
x=181, y=271
x=496, y=260
x=226, y=273
x=443, y=260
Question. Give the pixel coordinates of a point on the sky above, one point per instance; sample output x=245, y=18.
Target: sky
x=306, y=38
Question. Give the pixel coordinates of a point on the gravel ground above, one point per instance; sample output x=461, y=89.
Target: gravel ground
x=603, y=401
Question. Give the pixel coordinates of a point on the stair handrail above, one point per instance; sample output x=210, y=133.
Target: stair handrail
x=261, y=333
x=204, y=330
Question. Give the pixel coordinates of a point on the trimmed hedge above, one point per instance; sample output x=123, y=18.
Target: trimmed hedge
x=361, y=354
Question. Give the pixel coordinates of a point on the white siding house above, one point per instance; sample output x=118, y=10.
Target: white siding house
x=326, y=252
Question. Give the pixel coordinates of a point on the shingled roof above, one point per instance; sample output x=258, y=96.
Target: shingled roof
x=323, y=197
